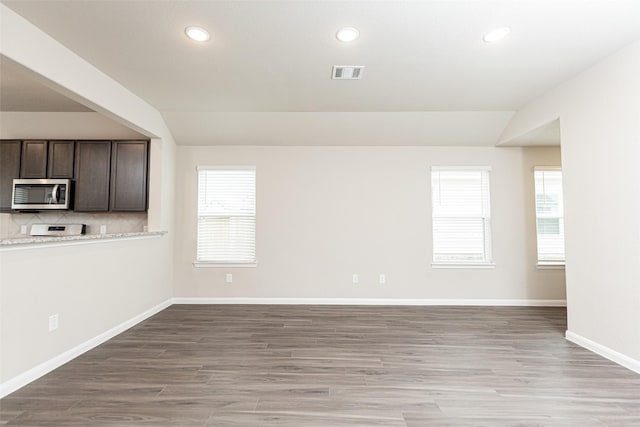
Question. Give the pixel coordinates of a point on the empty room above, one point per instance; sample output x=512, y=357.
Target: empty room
x=319, y=213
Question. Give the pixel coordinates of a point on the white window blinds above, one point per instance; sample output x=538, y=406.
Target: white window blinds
x=549, y=215
x=461, y=215
x=226, y=215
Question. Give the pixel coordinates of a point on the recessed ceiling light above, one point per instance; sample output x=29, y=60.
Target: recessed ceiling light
x=198, y=34
x=347, y=34
x=496, y=34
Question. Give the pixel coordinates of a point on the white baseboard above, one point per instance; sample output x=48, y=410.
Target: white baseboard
x=603, y=351
x=375, y=301
x=33, y=374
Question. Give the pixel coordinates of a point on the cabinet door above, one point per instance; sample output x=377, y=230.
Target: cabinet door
x=60, y=162
x=129, y=176
x=93, y=161
x=34, y=159
x=9, y=170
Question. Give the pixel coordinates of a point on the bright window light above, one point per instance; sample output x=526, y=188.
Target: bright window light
x=549, y=215
x=226, y=215
x=461, y=215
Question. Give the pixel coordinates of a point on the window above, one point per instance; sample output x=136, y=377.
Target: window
x=461, y=216
x=226, y=215
x=549, y=216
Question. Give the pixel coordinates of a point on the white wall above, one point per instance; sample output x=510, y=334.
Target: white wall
x=339, y=128
x=601, y=148
x=93, y=287
x=599, y=113
x=324, y=213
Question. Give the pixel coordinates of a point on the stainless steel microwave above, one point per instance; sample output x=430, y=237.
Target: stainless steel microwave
x=41, y=194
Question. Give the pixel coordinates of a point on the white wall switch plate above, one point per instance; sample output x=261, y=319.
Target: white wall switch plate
x=23, y=229
x=229, y=278
x=103, y=229
x=355, y=278
x=383, y=279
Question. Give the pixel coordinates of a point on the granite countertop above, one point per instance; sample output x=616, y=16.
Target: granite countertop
x=44, y=240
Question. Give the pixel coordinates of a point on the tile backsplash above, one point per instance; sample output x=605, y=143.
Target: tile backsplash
x=115, y=222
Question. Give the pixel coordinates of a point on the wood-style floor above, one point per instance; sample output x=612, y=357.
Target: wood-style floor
x=335, y=366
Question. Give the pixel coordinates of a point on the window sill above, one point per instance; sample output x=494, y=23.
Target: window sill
x=488, y=265
x=550, y=266
x=209, y=264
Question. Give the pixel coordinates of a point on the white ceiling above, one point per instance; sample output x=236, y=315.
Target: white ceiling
x=21, y=92
x=276, y=56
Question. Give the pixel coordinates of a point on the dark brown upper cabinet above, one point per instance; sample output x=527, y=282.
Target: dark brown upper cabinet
x=93, y=167
x=60, y=163
x=47, y=159
x=9, y=170
x=129, y=161
x=107, y=175
x=34, y=159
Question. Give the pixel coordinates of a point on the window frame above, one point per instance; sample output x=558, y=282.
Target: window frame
x=487, y=262
x=548, y=264
x=225, y=263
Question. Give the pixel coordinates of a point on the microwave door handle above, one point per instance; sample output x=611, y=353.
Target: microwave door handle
x=54, y=193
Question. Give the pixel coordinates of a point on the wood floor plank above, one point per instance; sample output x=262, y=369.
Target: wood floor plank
x=306, y=366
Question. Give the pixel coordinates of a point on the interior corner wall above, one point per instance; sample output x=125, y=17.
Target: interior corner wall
x=325, y=213
x=599, y=113
x=600, y=126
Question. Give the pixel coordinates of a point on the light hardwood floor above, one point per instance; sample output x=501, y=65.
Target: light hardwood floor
x=236, y=365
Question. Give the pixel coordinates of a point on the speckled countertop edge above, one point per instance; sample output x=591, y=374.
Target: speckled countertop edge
x=44, y=240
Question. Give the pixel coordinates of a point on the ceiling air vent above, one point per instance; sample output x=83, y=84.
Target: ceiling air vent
x=347, y=72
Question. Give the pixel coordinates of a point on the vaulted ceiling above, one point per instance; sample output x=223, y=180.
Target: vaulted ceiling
x=265, y=75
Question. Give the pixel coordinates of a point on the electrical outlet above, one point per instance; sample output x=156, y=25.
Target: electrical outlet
x=229, y=278
x=103, y=229
x=355, y=278
x=23, y=229
x=53, y=322
x=382, y=279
